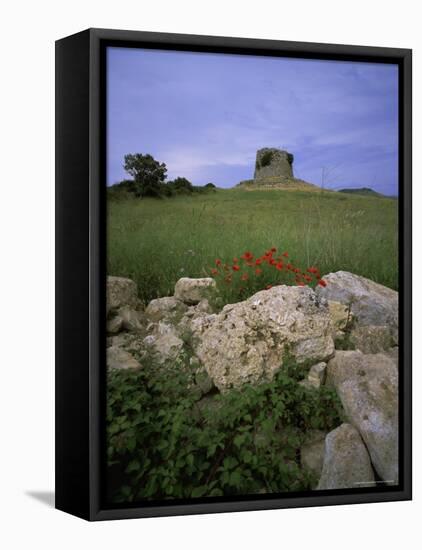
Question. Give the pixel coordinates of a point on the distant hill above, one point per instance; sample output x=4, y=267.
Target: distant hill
x=366, y=191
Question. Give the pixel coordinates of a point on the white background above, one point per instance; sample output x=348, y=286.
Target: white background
x=27, y=37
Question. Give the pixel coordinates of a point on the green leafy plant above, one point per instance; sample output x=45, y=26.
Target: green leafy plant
x=165, y=442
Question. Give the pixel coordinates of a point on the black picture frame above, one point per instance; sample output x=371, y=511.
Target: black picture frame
x=80, y=269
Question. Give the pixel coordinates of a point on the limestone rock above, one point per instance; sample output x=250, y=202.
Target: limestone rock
x=120, y=292
x=193, y=291
x=316, y=375
x=368, y=389
x=247, y=341
x=118, y=358
x=371, y=338
x=131, y=319
x=114, y=325
x=346, y=461
x=312, y=451
x=165, y=309
x=370, y=303
x=164, y=343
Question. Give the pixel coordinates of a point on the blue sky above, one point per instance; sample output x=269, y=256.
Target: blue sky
x=205, y=115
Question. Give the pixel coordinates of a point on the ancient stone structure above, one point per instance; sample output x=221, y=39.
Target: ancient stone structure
x=272, y=162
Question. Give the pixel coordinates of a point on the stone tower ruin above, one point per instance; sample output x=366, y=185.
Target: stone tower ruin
x=273, y=163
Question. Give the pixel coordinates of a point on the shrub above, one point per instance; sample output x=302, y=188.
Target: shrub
x=163, y=444
x=266, y=158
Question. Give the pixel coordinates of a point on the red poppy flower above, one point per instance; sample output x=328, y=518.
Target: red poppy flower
x=289, y=267
x=279, y=266
x=214, y=271
x=247, y=256
x=244, y=277
x=236, y=267
x=217, y=262
x=321, y=282
x=300, y=283
x=268, y=287
x=273, y=249
x=285, y=254
x=271, y=261
x=258, y=271
x=258, y=261
x=307, y=278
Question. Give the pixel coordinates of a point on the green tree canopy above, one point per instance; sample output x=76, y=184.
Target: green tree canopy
x=148, y=174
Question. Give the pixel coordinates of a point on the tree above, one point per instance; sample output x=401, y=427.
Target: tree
x=148, y=174
x=181, y=185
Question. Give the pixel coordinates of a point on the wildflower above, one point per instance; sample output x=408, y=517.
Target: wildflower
x=235, y=260
x=273, y=249
x=244, y=277
x=272, y=261
x=247, y=256
x=279, y=266
x=217, y=262
x=300, y=283
x=307, y=278
x=258, y=261
x=258, y=271
x=214, y=271
x=321, y=282
x=285, y=254
x=236, y=267
x=289, y=267
x=268, y=287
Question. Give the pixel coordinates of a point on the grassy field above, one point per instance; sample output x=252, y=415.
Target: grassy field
x=155, y=242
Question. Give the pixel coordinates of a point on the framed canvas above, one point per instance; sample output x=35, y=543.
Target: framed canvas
x=233, y=274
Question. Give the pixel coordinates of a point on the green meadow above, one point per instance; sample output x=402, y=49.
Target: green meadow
x=157, y=241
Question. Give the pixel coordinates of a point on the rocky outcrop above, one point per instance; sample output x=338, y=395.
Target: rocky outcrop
x=370, y=303
x=163, y=342
x=316, y=376
x=117, y=358
x=166, y=309
x=346, y=461
x=192, y=291
x=120, y=292
x=368, y=389
x=247, y=341
x=372, y=338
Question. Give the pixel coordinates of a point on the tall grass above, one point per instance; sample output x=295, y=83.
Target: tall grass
x=155, y=242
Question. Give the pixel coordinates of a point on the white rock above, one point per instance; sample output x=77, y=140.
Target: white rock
x=368, y=389
x=131, y=319
x=346, y=461
x=193, y=291
x=165, y=309
x=118, y=358
x=164, y=343
x=247, y=341
x=370, y=303
x=371, y=338
x=120, y=292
